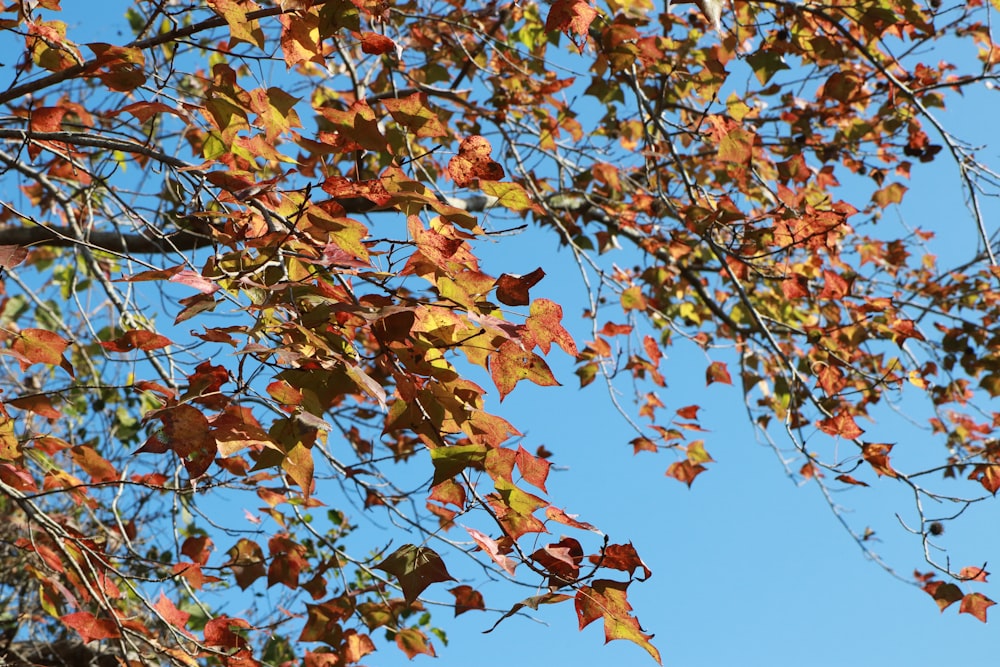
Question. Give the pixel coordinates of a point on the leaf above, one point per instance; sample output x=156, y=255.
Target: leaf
x=847, y=479
x=413, y=642
x=376, y=44
x=414, y=113
x=137, y=339
x=531, y=603
x=467, y=599
x=513, y=290
x=607, y=600
x=511, y=363
x=415, y=568
x=621, y=557
x=717, y=372
x=39, y=346
x=12, y=255
x=90, y=628
x=492, y=549
x=944, y=594
x=685, y=471
x=544, y=327
x=511, y=196
x=841, y=425
x=570, y=16
x=473, y=162
x=174, y=617
x=877, y=455
x=246, y=559
x=533, y=470
x=976, y=604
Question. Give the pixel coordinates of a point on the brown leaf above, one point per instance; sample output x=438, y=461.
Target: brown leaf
x=513, y=290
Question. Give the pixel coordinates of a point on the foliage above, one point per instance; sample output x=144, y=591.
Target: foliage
x=242, y=262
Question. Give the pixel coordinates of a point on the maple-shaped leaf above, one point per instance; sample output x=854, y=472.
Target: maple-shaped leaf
x=975, y=604
x=621, y=557
x=513, y=290
x=570, y=16
x=842, y=425
x=685, y=471
x=413, y=642
x=544, y=327
x=944, y=594
x=467, y=599
x=90, y=628
x=474, y=162
x=415, y=568
x=608, y=600
x=877, y=455
x=415, y=115
x=974, y=574
x=533, y=470
x=137, y=339
x=511, y=363
x=357, y=124
x=561, y=560
x=492, y=549
x=174, y=617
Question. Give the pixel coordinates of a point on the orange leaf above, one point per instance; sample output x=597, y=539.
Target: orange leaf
x=976, y=604
x=685, y=471
x=413, y=642
x=841, y=425
x=467, y=599
x=376, y=44
x=607, y=599
x=137, y=339
x=847, y=479
x=877, y=455
x=717, y=372
x=473, y=162
x=91, y=628
x=544, y=327
x=511, y=363
x=39, y=346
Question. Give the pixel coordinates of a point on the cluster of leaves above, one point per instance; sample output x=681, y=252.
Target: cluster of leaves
x=224, y=169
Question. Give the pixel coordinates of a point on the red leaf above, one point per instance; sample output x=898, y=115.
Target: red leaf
x=877, y=455
x=11, y=256
x=467, y=599
x=473, y=162
x=544, y=327
x=511, y=363
x=413, y=642
x=685, y=471
x=976, y=604
x=842, y=425
x=562, y=560
x=137, y=339
x=689, y=412
x=944, y=594
x=174, y=617
x=570, y=15
x=376, y=44
x=608, y=600
x=91, y=628
x=622, y=557
x=534, y=470
x=560, y=516
x=39, y=346
x=717, y=372
x=513, y=290
x=974, y=574
x=847, y=479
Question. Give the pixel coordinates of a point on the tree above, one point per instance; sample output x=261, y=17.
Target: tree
x=241, y=252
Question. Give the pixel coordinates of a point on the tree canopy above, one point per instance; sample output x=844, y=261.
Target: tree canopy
x=242, y=243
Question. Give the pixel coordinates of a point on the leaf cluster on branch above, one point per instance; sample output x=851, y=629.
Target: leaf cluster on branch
x=241, y=257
